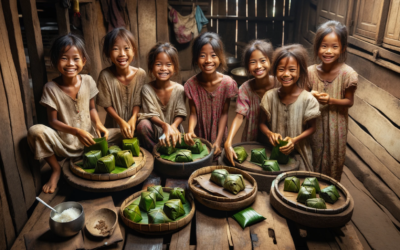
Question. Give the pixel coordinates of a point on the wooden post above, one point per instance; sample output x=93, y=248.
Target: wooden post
x=162, y=21
x=146, y=28
x=62, y=19
x=131, y=9
x=36, y=54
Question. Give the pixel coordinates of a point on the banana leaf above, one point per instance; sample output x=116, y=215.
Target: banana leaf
x=147, y=201
x=105, y=164
x=197, y=147
x=316, y=203
x=306, y=193
x=125, y=159
x=183, y=143
x=114, y=150
x=292, y=184
x=248, y=217
x=271, y=165
x=132, y=212
x=166, y=150
x=330, y=194
x=234, y=183
x=157, y=216
x=184, y=156
x=173, y=209
x=132, y=145
x=218, y=176
x=90, y=159
x=178, y=193
x=278, y=155
x=312, y=182
x=158, y=191
x=240, y=153
x=258, y=155
x=101, y=144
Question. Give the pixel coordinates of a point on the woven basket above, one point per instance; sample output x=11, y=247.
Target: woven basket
x=156, y=229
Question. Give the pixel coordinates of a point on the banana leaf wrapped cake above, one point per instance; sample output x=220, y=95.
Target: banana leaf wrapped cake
x=147, y=201
x=101, y=144
x=240, y=153
x=114, y=150
x=166, y=150
x=330, y=194
x=132, y=212
x=197, y=147
x=306, y=193
x=125, y=159
x=218, y=176
x=158, y=191
x=105, y=164
x=248, y=217
x=271, y=165
x=90, y=159
x=258, y=155
x=312, y=182
x=132, y=145
x=292, y=184
x=234, y=183
x=157, y=216
x=318, y=203
x=182, y=144
x=184, y=156
x=173, y=209
x=278, y=155
x=178, y=193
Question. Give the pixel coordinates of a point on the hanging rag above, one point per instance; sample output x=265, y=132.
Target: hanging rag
x=66, y=4
x=201, y=19
x=113, y=13
x=184, y=26
x=76, y=8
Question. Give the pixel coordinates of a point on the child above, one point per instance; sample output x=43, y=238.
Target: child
x=290, y=110
x=163, y=101
x=256, y=59
x=333, y=84
x=120, y=85
x=71, y=109
x=209, y=92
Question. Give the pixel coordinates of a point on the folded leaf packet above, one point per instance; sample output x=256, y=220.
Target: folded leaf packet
x=125, y=159
x=240, y=153
x=101, y=144
x=90, y=159
x=158, y=191
x=173, y=209
x=178, y=193
x=218, y=176
x=330, y=194
x=318, y=203
x=157, y=216
x=114, y=150
x=184, y=156
x=306, y=193
x=105, y=164
x=183, y=143
x=278, y=155
x=132, y=145
x=132, y=212
x=312, y=182
x=234, y=183
x=271, y=165
x=248, y=217
x=292, y=184
x=147, y=201
x=166, y=150
x=258, y=155
x=197, y=147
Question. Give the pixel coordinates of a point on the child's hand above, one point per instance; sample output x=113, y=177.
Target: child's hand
x=189, y=138
x=274, y=138
x=169, y=132
x=217, y=146
x=289, y=147
x=323, y=98
x=178, y=135
x=101, y=129
x=85, y=137
x=315, y=93
x=230, y=154
x=132, y=125
x=126, y=129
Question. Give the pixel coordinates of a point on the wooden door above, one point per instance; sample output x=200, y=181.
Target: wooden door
x=333, y=10
x=392, y=32
x=309, y=26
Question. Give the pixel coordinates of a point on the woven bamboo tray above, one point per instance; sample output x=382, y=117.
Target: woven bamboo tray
x=218, y=202
x=335, y=215
x=156, y=229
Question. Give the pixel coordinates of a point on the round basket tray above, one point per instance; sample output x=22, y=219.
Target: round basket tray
x=181, y=169
x=251, y=167
x=335, y=215
x=156, y=229
x=139, y=164
x=218, y=202
x=111, y=185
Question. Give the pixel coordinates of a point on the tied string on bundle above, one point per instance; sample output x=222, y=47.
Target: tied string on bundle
x=76, y=8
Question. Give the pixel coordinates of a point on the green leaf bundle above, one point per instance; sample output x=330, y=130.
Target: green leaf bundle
x=173, y=209
x=132, y=145
x=184, y=156
x=166, y=150
x=101, y=144
x=248, y=217
x=147, y=201
x=183, y=143
x=218, y=176
x=318, y=203
x=125, y=159
x=278, y=155
x=158, y=191
x=271, y=165
x=90, y=159
x=258, y=155
x=292, y=184
x=132, y=212
x=197, y=147
x=114, y=150
x=178, y=193
x=312, y=182
x=240, y=153
x=234, y=183
x=157, y=216
x=306, y=193
x=105, y=164
x=330, y=194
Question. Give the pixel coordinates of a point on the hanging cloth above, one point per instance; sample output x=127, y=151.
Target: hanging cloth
x=184, y=26
x=201, y=20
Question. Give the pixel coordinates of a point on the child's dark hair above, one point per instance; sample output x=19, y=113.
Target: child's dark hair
x=215, y=41
x=110, y=37
x=265, y=47
x=297, y=52
x=168, y=49
x=64, y=43
x=326, y=28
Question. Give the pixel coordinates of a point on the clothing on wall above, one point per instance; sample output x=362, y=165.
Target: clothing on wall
x=201, y=20
x=185, y=27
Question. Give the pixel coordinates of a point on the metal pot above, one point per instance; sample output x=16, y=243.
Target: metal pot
x=240, y=75
x=67, y=229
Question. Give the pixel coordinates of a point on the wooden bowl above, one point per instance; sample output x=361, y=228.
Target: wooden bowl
x=335, y=215
x=181, y=169
x=156, y=229
x=218, y=202
x=110, y=219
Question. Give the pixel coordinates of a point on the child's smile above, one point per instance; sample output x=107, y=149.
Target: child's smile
x=208, y=60
x=258, y=64
x=163, y=67
x=71, y=62
x=287, y=71
x=330, y=48
x=122, y=53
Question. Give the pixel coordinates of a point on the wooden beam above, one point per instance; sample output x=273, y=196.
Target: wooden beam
x=131, y=9
x=162, y=21
x=252, y=19
x=147, y=29
x=62, y=19
x=211, y=232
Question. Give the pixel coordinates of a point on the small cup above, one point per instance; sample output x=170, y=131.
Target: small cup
x=67, y=229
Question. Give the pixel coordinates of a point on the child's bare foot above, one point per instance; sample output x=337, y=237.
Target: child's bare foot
x=51, y=185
